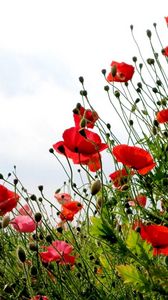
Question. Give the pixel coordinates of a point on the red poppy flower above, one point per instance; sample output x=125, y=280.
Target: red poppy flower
x=120, y=177
x=162, y=116
x=134, y=157
x=165, y=51
x=140, y=200
x=166, y=18
x=157, y=235
x=120, y=72
x=59, y=251
x=8, y=200
x=81, y=146
x=89, y=116
x=69, y=210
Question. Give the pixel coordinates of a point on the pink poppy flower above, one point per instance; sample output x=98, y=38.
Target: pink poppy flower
x=24, y=223
x=59, y=251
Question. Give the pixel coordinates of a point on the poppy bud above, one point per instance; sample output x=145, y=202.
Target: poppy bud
x=99, y=202
x=150, y=61
x=38, y=217
x=15, y=181
x=134, y=59
x=149, y=33
x=139, y=84
x=33, y=271
x=95, y=187
x=1, y=176
x=131, y=27
x=104, y=72
x=51, y=150
x=155, y=90
x=131, y=122
x=106, y=88
x=154, y=130
x=156, y=123
x=40, y=187
x=164, y=102
x=33, y=197
x=158, y=82
x=49, y=238
x=154, y=24
x=5, y=221
x=165, y=134
x=33, y=247
x=21, y=254
x=108, y=126
x=81, y=79
x=114, y=70
x=75, y=111
x=140, y=66
x=117, y=94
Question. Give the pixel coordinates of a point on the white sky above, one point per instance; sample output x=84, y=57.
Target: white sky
x=45, y=46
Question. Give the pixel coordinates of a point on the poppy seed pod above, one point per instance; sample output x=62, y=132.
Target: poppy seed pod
x=95, y=187
x=21, y=254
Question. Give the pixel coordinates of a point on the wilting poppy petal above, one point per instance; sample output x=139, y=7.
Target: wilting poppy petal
x=134, y=157
x=121, y=72
x=63, y=198
x=162, y=116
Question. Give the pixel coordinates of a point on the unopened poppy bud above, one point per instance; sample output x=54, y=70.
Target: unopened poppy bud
x=15, y=181
x=83, y=93
x=140, y=66
x=108, y=126
x=49, y=238
x=156, y=123
x=38, y=217
x=117, y=94
x=158, y=82
x=1, y=176
x=144, y=112
x=99, y=202
x=95, y=187
x=131, y=122
x=164, y=102
x=5, y=221
x=154, y=130
x=114, y=70
x=40, y=187
x=137, y=100
x=106, y=88
x=81, y=79
x=21, y=254
x=139, y=84
x=155, y=90
x=33, y=197
x=149, y=33
x=83, y=122
x=165, y=134
x=131, y=27
x=51, y=150
x=150, y=61
x=154, y=24
x=104, y=72
x=33, y=247
x=33, y=271
x=159, y=103
x=134, y=59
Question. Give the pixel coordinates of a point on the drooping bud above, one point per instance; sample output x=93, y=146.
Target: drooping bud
x=95, y=187
x=21, y=254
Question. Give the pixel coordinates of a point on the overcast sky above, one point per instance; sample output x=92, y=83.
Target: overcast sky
x=45, y=46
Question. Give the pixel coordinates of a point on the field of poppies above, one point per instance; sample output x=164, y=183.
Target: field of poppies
x=106, y=235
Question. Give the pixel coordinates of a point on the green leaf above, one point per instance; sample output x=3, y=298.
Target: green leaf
x=130, y=274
